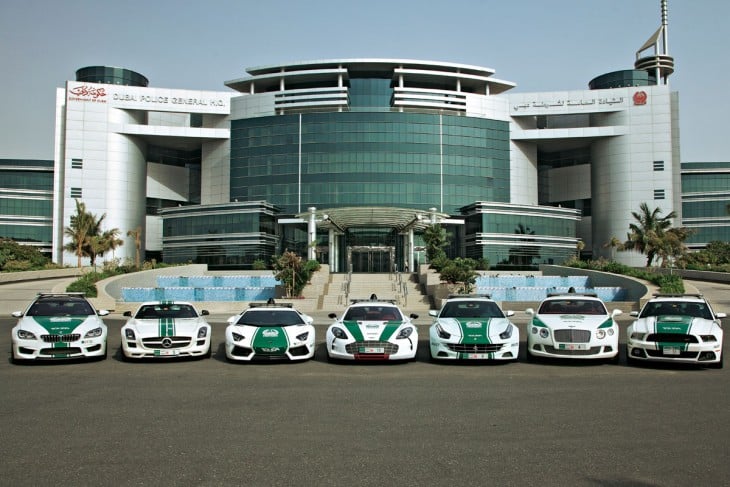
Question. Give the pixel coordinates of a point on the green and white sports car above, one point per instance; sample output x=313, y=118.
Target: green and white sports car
x=573, y=326
x=270, y=331
x=372, y=329
x=166, y=329
x=470, y=327
x=59, y=326
x=680, y=328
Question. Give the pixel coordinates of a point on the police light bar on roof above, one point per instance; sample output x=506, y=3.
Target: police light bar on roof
x=454, y=296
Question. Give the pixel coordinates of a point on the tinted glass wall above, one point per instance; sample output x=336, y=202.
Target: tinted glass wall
x=369, y=159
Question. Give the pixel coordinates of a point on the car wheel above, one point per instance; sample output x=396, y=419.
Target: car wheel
x=209, y=353
x=122, y=354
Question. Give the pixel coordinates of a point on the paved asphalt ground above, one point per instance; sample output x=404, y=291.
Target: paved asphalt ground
x=212, y=423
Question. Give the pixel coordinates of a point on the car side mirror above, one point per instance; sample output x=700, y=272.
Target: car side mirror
x=204, y=312
x=414, y=316
x=127, y=313
x=102, y=312
x=332, y=315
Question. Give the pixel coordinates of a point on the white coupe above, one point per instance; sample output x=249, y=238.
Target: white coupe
x=470, y=327
x=676, y=328
x=166, y=329
x=372, y=329
x=59, y=326
x=270, y=331
x=575, y=326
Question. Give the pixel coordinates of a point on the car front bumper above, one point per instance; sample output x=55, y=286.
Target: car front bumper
x=40, y=350
x=135, y=349
x=442, y=349
x=692, y=353
x=396, y=349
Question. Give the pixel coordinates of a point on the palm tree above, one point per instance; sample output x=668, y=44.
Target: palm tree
x=647, y=233
x=614, y=244
x=111, y=240
x=137, y=234
x=83, y=226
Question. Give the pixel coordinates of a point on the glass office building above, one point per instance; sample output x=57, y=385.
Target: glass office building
x=706, y=202
x=26, y=202
x=348, y=161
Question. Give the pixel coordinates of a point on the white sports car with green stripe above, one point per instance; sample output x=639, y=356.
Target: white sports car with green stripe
x=59, y=326
x=270, y=331
x=573, y=326
x=470, y=327
x=372, y=329
x=166, y=329
x=676, y=328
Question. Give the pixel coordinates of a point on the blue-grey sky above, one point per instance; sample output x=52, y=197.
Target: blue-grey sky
x=540, y=45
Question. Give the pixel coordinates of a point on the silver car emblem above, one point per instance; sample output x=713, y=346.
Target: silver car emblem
x=166, y=342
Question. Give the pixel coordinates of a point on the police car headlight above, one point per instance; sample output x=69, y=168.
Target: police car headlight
x=25, y=335
x=708, y=338
x=237, y=337
x=636, y=336
x=203, y=332
x=600, y=334
x=405, y=333
x=339, y=333
x=442, y=333
x=96, y=332
x=129, y=334
x=544, y=333
x=506, y=333
x=303, y=336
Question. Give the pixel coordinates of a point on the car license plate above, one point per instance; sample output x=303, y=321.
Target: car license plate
x=165, y=353
x=572, y=346
x=478, y=356
x=671, y=350
x=372, y=350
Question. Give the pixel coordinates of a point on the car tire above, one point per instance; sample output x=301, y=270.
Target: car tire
x=209, y=352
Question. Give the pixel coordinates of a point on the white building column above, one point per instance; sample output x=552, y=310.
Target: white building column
x=312, y=233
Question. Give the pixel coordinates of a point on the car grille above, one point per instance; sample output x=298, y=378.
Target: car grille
x=175, y=342
x=658, y=353
x=475, y=348
x=52, y=352
x=388, y=348
x=559, y=351
x=671, y=338
x=572, y=336
x=298, y=351
x=71, y=337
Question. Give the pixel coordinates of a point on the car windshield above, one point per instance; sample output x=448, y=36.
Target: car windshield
x=676, y=308
x=471, y=309
x=373, y=313
x=60, y=307
x=572, y=307
x=270, y=317
x=157, y=311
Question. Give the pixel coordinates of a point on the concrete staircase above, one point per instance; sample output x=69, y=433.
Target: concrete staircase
x=333, y=292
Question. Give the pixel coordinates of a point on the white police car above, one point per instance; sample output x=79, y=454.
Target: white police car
x=473, y=327
x=681, y=328
x=59, y=326
x=372, y=329
x=166, y=329
x=573, y=326
x=270, y=331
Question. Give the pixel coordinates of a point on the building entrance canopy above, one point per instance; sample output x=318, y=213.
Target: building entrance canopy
x=341, y=222
x=401, y=219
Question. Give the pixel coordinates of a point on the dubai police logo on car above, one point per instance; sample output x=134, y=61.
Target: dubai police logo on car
x=270, y=333
x=473, y=324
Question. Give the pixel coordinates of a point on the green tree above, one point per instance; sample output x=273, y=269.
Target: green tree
x=83, y=226
x=460, y=271
x=137, y=234
x=436, y=240
x=293, y=272
x=15, y=256
x=614, y=244
x=647, y=234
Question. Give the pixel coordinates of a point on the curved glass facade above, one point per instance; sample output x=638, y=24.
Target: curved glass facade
x=622, y=79
x=111, y=76
x=369, y=159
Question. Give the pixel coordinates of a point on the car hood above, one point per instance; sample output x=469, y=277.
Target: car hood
x=474, y=330
x=166, y=326
x=372, y=330
x=583, y=322
x=673, y=324
x=59, y=325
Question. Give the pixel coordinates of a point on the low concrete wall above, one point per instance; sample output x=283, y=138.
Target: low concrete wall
x=45, y=274
x=706, y=276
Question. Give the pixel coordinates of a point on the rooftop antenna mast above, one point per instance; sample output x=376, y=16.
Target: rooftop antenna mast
x=659, y=64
